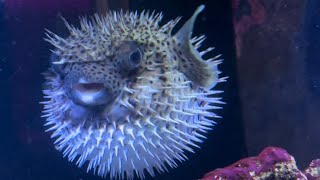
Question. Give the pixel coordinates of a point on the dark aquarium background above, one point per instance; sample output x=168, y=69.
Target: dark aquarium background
x=271, y=52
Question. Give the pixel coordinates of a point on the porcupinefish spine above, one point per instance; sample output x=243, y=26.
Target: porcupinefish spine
x=160, y=131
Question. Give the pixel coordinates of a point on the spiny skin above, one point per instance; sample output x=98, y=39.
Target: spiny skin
x=125, y=116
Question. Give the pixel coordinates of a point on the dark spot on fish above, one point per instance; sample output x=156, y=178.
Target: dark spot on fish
x=164, y=79
x=174, y=57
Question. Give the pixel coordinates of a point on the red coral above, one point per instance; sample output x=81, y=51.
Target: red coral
x=271, y=163
x=313, y=171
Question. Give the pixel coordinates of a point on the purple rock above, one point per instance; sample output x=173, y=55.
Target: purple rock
x=271, y=163
x=313, y=171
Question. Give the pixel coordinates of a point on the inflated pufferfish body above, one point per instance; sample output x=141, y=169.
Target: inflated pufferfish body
x=126, y=96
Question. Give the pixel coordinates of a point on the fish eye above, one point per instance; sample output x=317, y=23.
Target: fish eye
x=135, y=58
x=128, y=56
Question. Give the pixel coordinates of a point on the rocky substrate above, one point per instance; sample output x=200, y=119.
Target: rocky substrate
x=271, y=163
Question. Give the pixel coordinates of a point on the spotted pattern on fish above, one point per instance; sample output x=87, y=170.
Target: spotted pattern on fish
x=125, y=95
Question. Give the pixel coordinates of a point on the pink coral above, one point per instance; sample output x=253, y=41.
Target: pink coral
x=313, y=171
x=271, y=163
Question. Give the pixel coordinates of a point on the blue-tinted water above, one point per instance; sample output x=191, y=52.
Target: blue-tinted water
x=28, y=152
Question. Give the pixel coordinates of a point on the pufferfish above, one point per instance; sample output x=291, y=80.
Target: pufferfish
x=126, y=97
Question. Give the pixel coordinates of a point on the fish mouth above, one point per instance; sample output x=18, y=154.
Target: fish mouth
x=91, y=94
x=89, y=87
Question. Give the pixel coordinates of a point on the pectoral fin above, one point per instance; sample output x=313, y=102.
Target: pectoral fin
x=201, y=72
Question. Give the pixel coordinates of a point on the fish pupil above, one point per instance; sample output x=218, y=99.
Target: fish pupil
x=135, y=58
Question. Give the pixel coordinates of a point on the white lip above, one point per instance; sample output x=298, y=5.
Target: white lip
x=82, y=80
x=90, y=93
x=89, y=97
